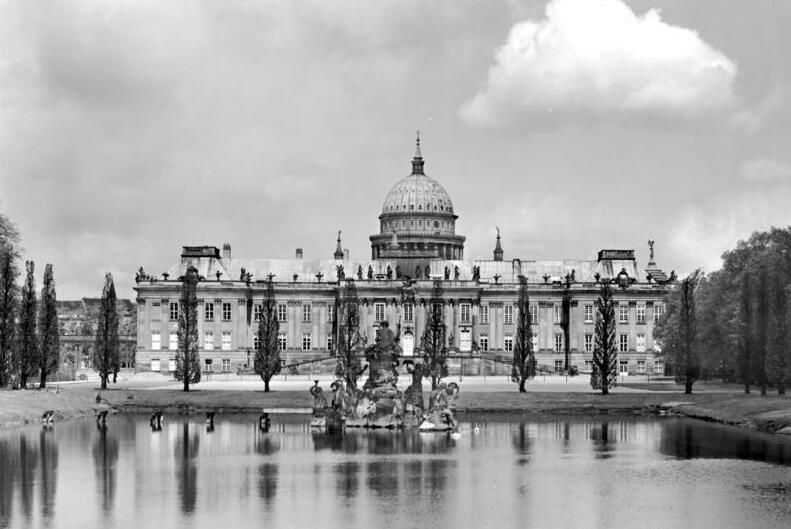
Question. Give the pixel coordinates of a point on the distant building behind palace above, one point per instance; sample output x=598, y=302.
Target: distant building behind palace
x=416, y=245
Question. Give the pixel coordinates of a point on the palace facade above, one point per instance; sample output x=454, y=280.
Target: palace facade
x=417, y=244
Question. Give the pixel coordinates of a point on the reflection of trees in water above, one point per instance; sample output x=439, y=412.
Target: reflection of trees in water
x=267, y=445
x=267, y=481
x=522, y=443
x=187, y=469
x=48, y=448
x=603, y=440
x=9, y=473
x=105, y=458
x=348, y=479
x=687, y=440
x=348, y=443
x=28, y=460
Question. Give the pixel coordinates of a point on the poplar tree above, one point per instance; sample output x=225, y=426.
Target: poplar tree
x=49, y=347
x=762, y=317
x=348, y=365
x=106, y=352
x=778, y=363
x=524, y=362
x=678, y=331
x=267, y=353
x=27, y=348
x=9, y=299
x=605, y=358
x=188, y=368
x=435, y=352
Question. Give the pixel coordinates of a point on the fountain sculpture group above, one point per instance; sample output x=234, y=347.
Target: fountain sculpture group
x=379, y=403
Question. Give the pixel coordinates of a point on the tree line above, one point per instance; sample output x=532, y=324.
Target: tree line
x=734, y=323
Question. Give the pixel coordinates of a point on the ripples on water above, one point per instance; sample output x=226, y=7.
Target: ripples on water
x=583, y=472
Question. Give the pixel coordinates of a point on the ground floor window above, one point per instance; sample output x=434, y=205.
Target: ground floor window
x=306, y=342
x=226, y=364
x=534, y=340
x=208, y=365
x=484, y=342
x=624, y=343
x=226, y=341
x=623, y=367
x=172, y=365
x=155, y=341
x=282, y=343
x=508, y=343
x=208, y=340
x=256, y=341
x=588, y=343
x=330, y=342
x=174, y=341
x=641, y=367
x=640, y=343
x=558, y=366
x=155, y=364
x=558, y=343
x=588, y=366
x=659, y=368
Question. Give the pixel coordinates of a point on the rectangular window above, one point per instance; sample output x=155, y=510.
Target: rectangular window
x=173, y=344
x=508, y=343
x=171, y=365
x=508, y=314
x=282, y=313
x=659, y=311
x=484, y=343
x=155, y=364
x=256, y=341
x=588, y=366
x=330, y=313
x=640, y=345
x=226, y=340
x=174, y=311
x=208, y=365
x=465, y=312
x=641, y=367
x=208, y=311
x=330, y=342
x=379, y=311
x=226, y=312
x=409, y=310
x=258, y=311
x=484, y=313
x=558, y=343
x=588, y=313
x=208, y=340
x=534, y=314
x=624, y=343
x=306, y=312
x=306, y=342
x=623, y=314
x=156, y=341
x=156, y=311
x=623, y=367
x=640, y=313
x=534, y=342
x=282, y=343
x=557, y=314
x=558, y=366
x=588, y=343
x=659, y=368
x=226, y=365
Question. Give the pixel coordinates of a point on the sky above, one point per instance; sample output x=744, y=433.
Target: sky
x=131, y=128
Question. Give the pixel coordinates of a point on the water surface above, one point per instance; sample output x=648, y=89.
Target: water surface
x=570, y=472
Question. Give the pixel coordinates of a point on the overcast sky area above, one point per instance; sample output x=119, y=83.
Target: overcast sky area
x=131, y=128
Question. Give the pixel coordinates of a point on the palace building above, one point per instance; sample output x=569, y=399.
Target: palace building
x=416, y=246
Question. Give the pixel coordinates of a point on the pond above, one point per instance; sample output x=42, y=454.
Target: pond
x=600, y=472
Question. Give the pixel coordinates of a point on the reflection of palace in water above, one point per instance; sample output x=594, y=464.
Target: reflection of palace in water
x=416, y=245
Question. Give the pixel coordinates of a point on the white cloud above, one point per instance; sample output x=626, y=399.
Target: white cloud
x=598, y=56
x=764, y=170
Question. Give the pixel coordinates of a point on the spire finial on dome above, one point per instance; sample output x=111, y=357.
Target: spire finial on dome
x=417, y=161
x=498, y=249
x=338, y=249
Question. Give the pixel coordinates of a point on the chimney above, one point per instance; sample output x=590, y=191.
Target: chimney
x=226, y=251
x=299, y=253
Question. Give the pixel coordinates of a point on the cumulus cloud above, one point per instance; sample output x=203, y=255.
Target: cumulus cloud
x=599, y=56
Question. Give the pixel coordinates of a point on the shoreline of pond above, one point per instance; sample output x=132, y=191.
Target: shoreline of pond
x=752, y=412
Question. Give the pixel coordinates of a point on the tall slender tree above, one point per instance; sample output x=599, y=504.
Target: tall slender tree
x=27, y=349
x=605, y=358
x=778, y=363
x=678, y=331
x=351, y=346
x=106, y=352
x=762, y=327
x=188, y=368
x=524, y=362
x=745, y=357
x=9, y=301
x=267, y=353
x=49, y=345
x=433, y=343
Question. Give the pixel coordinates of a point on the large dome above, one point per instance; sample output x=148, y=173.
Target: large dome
x=417, y=192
